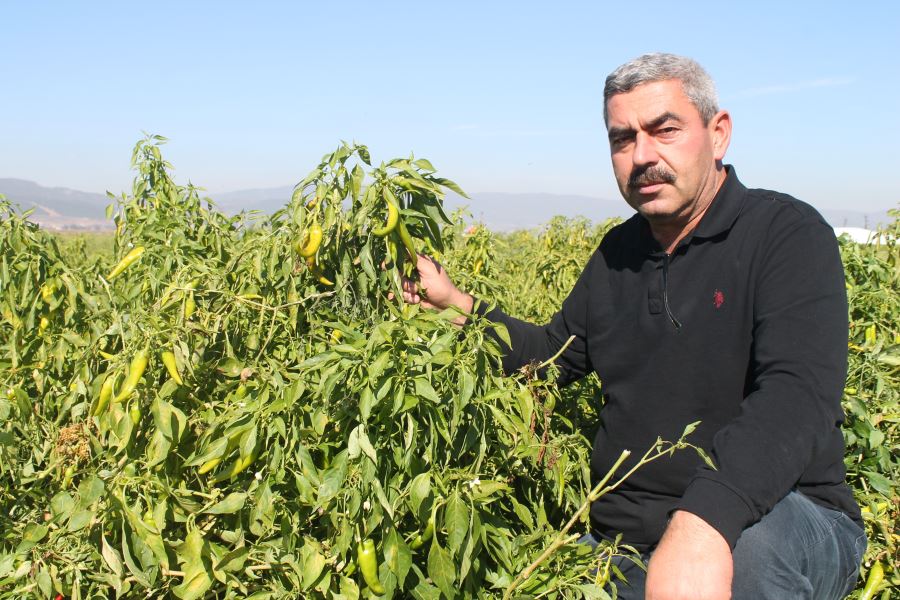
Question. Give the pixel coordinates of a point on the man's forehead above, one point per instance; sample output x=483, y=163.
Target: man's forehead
x=648, y=101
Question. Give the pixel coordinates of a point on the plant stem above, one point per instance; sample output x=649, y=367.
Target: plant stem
x=553, y=358
x=598, y=491
x=562, y=538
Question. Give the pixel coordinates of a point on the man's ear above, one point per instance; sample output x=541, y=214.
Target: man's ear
x=720, y=131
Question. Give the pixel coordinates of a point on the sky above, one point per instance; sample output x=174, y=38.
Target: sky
x=499, y=96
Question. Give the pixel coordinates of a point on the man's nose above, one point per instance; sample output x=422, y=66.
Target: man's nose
x=644, y=150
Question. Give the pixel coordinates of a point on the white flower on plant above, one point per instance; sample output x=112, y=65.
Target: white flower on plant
x=474, y=482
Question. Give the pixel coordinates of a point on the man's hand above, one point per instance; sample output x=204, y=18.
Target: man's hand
x=692, y=562
x=434, y=288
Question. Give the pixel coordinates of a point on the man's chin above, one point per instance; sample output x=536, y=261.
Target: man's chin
x=651, y=208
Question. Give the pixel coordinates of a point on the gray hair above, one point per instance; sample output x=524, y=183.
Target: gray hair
x=698, y=86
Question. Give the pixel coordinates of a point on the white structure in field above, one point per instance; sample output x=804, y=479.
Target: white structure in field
x=857, y=234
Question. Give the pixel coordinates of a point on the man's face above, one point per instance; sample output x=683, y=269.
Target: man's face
x=663, y=156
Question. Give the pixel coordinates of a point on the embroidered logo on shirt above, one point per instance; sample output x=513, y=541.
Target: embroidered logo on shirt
x=718, y=299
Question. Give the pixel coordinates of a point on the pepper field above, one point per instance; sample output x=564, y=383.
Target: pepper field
x=245, y=410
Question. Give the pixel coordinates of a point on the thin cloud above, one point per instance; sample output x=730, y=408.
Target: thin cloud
x=794, y=87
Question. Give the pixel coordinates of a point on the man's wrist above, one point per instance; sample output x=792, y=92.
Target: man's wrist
x=463, y=302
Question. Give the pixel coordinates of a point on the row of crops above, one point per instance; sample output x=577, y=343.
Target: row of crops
x=239, y=406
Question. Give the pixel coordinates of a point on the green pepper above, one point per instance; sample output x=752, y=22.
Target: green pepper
x=126, y=262
x=408, y=243
x=212, y=463
x=550, y=403
x=168, y=359
x=135, y=372
x=105, y=394
x=237, y=467
x=393, y=215
x=209, y=465
x=313, y=241
x=135, y=413
x=350, y=569
x=424, y=536
x=68, y=475
x=367, y=559
x=873, y=581
x=190, y=305
x=317, y=272
x=47, y=292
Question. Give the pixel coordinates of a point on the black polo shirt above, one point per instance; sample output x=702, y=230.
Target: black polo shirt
x=743, y=328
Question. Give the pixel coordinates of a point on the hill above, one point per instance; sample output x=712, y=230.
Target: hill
x=63, y=209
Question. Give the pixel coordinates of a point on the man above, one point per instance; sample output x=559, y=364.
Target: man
x=718, y=304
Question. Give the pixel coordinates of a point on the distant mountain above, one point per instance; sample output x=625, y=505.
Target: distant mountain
x=64, y=209
x=266, y=200
x=58, y=208
x=499, y=211
x=506, y=212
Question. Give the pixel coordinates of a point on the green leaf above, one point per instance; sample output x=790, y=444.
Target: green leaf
x=333, y=479
x=231, y=504
x=441, y=570
x=456, y=522
x=136, y=571
x=382, y=497
x=424, y=164
x=45, y=582
x=419, y=490
x=89, y=490
x=397, y=555
x=111, y=557
x=35, y=533
x=424, y=390
x=233, y=561
x=79, y=520
x=359, y=441
x=197, y=579
x=62, y=505
x=879, y=482
x=313, y=564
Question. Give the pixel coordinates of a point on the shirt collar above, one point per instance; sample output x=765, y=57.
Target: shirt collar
x=723, y=211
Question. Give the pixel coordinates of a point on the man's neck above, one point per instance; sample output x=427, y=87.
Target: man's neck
x=668, y=235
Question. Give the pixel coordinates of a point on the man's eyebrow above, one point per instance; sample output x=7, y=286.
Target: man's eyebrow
x=616, y=133
x=666, y=116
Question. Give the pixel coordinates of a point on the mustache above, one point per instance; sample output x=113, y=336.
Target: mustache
x=651, y=174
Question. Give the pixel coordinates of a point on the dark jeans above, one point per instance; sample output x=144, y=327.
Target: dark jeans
x=799, y=551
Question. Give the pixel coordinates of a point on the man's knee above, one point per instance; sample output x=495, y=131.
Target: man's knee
x=764, y=567
x=795, y=551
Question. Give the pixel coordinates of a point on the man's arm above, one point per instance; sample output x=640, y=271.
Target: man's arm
x=528, y=341
x=691, y=562
x=791, y=413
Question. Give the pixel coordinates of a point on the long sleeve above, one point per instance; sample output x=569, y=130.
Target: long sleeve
x=790, y=418
x=530, y=342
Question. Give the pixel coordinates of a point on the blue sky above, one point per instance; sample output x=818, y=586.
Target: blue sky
x=500, y=96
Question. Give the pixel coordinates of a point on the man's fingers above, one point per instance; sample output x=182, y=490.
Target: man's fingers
x=423, y=261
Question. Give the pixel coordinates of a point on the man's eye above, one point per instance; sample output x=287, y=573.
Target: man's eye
x=667, y=131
